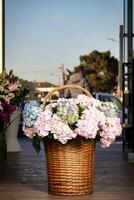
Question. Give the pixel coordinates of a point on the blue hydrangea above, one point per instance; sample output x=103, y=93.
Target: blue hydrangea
x=30, y=113
x=109, y=109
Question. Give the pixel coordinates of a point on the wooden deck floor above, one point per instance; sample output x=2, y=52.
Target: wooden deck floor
x=24, y=177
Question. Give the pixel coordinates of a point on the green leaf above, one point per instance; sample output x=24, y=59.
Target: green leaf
x=11, y=72
x=87, y=141
x=50, y=136
x=54, y=110
x=36, y=142
x=72, y=126
x=98, y=137
x=80, y=111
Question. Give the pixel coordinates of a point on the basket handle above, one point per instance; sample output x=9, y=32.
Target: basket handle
x=64, y=87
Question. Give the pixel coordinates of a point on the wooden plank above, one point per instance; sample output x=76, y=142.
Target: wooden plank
x=24, y=175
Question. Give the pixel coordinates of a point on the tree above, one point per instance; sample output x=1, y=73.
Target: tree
x=101, y=69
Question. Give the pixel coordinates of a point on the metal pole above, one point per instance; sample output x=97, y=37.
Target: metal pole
x=120, y=73
x=130, y=68
x=62, y=73
x=124, y=30
x=130, y=55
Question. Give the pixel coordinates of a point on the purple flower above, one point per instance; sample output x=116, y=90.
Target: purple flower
x=10, y=108
x=4, y=116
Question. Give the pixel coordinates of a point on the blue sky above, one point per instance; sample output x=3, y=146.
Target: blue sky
x=43, y=34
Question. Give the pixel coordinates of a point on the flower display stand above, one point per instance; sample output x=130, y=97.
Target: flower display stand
x=12, y=132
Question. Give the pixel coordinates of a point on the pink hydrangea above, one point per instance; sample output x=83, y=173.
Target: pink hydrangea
x=70, y=118
x=109, y=129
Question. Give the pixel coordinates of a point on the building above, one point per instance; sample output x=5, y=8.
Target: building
x=43, y=88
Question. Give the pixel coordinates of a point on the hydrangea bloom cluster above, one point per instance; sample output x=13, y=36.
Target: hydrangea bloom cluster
x=67, y=119
x=30, y=113
x=109, y=108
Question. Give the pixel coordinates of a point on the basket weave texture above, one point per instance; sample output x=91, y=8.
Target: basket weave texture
x=70, y=167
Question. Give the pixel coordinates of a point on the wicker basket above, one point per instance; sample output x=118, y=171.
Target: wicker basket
x=70, y=167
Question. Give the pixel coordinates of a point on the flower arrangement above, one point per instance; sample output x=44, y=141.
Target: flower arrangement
x=12, y=93
x=8, y=86
x=68, y=119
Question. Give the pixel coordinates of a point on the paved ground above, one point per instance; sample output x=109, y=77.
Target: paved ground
x=24, y=176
